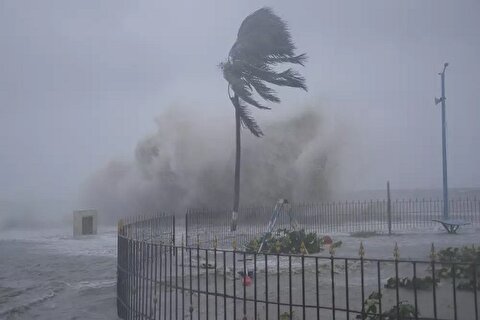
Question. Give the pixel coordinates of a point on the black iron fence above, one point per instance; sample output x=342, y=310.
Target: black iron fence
x=349, y=216
x=159, y=228
x=158, y=279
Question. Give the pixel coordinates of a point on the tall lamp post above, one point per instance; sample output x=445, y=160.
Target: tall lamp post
x=444, y=143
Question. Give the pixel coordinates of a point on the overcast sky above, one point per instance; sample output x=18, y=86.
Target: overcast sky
x=82, y=81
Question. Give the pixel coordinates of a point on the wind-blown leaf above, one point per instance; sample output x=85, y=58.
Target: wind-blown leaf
x=264, y=91
x=248, y=121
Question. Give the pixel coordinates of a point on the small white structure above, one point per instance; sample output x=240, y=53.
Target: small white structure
x=84, y=222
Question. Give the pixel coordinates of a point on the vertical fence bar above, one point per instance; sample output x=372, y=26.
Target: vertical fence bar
x=347, y=296
x=186, y=229
x=245, y=274
x=290, y=285
x=278, y=286
x=206, y=283
x=415, y=289
x=224, y=285
x=176, y=280
x=139, y=280
x=140, y=276
x=255, y=285
x=434, y=289
x=143, y=278
x=190, y=287
x=165, y=283
x=130, y=283
x=198, y=278
x=332, y=275
x=362, y=280
x=475, y=284
x=397, y=293
x=379, y=287
x=303, y=287
x=151, y=281
x=160, y=274
x=234, y=280
x=317, y=289
x=266, y=286
x=389, y=209
x=173, y=231
x=454, y=285
x=147, y=280
x=182, y=247
x=132, y=279
x=155, y=279
x=215, y=284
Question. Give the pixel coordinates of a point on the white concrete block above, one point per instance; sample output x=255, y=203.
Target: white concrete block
x=84, y=222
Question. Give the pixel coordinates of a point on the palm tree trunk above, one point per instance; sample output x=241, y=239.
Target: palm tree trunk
x=236, y=188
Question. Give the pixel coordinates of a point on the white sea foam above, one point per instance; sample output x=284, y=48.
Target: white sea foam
x=93, y=284
x=61, y=241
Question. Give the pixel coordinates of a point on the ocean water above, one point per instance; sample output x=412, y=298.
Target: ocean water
x=48, y=274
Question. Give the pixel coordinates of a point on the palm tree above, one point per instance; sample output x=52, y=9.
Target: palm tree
x=263, y=43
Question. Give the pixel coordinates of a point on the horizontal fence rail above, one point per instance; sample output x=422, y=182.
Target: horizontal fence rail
x=159, y=278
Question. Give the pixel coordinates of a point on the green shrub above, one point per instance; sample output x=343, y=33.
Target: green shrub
x=289, y=241
x=372, y=310
x=407, y=283
x=465, y=271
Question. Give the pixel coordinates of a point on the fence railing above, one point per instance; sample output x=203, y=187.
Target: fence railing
x=158, y=279
x=353, y=216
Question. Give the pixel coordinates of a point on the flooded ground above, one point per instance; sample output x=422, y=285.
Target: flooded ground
x=49, y=275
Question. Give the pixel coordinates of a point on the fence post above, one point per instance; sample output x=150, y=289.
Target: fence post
x=389, y=209
x=186, y=229
x=173, y=231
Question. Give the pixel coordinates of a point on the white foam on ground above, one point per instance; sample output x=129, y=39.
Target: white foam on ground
x=94, y=284
x=61, y=240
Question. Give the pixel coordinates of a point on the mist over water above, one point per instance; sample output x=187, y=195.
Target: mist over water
x=189, y=163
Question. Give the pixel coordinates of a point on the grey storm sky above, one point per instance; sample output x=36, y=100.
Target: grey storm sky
x=82, y=81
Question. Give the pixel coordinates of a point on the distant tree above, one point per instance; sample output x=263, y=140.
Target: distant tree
x=263, y=43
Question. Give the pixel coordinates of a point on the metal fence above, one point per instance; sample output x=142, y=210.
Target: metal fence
x=349, y=216
x=158, y=279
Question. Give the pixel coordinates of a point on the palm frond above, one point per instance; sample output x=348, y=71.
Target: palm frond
x=289, y=77
x=262, y=34
x=263, y=42
x=240, y=85
x=247, y=120
x=276, y=59
x=264, y=91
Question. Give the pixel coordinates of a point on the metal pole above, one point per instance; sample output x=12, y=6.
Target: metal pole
x=389, y=208
x=444, y=144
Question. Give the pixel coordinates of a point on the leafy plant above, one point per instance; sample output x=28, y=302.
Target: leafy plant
x=469, y=258
x=419, y=283
x=286, y=316
x=289, y=241
x=458, y=262
x=372, y=310
x=406, y=311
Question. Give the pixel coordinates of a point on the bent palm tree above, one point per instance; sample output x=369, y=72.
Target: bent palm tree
x=263, y=42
